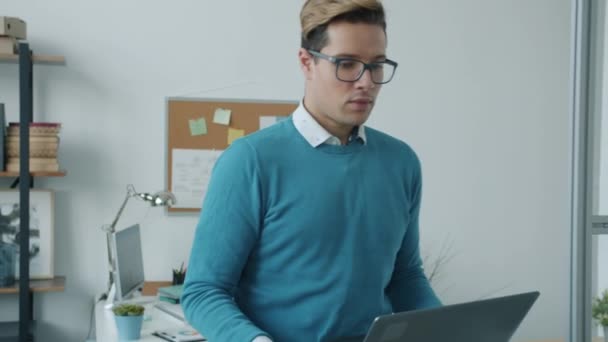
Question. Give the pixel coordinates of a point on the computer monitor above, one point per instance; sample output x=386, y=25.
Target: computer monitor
x=129, y=266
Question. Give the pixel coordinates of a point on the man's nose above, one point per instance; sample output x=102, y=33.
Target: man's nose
x=365, y=81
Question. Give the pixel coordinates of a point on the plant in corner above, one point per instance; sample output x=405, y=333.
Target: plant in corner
x=129, y=318
x=433, y=265
x=599, y=312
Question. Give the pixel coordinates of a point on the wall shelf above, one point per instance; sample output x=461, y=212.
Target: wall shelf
x=57, y=284
x=61, y=173
x=35, y=59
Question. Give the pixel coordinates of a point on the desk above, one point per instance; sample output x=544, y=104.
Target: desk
x=105, y=327
x=595, y=339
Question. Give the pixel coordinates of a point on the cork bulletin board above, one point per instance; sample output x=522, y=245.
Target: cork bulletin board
x=199, y=130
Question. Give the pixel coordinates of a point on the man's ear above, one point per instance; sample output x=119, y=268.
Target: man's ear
x=306, y=63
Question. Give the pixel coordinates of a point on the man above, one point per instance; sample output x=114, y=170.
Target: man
x=309, y=228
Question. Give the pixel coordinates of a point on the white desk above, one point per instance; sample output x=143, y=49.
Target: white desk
x=105, y=327
x=154, y=319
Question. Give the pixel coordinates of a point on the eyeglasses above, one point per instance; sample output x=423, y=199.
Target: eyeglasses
x=351, y=70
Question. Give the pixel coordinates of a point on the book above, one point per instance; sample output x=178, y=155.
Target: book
x=36, y=128
x=35, y=168
x=183, y=334
x=35, y=151
x=168, y=299
x=7, y=45
x=36, y=164
x=13, y=27
x=173, y=291
x=34, y=161
x=14, y=138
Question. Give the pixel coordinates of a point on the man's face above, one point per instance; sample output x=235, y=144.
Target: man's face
x=343, y=105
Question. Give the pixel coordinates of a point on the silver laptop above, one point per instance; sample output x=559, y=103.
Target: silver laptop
x=494, y=319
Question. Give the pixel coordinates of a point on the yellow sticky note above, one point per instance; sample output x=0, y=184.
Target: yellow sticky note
x=234, y=134
x=222, y=116
x=198, y=126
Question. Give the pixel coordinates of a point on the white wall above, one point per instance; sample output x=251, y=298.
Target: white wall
x=481, y=94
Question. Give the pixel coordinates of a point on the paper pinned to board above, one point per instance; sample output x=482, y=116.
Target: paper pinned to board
x=269, y=120
x=198, y=126
x=234, y=134
x=222, y=116
x=190, y=174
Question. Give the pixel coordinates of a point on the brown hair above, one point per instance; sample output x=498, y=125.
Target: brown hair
x=316, y=15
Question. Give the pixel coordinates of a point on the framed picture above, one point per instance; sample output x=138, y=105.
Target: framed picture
x=41, y=229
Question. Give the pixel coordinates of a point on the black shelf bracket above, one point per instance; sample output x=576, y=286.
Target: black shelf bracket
x=16, y=182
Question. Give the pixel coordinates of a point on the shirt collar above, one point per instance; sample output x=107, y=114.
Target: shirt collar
x=315, y=134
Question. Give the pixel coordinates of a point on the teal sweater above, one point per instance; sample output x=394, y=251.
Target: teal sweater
x=306, y=244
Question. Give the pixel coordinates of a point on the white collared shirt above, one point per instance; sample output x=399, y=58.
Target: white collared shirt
x=261, y=338
x=314, y=133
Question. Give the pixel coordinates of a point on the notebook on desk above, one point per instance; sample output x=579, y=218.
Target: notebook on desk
x=174, y=310
x=178, y=334
x=494, y=319
x=170, y=294
x=184, y=334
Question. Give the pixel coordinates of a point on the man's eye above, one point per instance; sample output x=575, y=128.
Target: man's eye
x=348, y=64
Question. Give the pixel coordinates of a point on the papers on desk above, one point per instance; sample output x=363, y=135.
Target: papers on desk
x=174, y=310
x=184, y=334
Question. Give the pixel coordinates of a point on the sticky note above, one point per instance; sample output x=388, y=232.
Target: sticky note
x=198, y=126
x=234, y=134
x=267, y=121
x=222, y=116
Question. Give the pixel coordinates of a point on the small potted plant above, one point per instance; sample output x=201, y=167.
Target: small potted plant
x=600, y=312
x=129, y=318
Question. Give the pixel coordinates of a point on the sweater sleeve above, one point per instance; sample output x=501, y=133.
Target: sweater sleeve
x=228, y=229
x=409, y=288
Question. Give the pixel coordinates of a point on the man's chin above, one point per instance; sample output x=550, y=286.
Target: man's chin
x=357, y=118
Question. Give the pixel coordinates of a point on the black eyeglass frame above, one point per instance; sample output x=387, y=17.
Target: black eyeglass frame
x=366, y=66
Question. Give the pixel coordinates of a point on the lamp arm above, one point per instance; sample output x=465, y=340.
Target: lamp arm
x=130, y=193
x=111, y=229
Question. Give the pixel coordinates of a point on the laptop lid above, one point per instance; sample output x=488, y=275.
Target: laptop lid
x=494, y=319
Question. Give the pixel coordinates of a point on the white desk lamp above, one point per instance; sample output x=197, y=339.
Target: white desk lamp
x=159, y=199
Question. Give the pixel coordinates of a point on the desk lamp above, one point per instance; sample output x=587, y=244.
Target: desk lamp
x=159, y=199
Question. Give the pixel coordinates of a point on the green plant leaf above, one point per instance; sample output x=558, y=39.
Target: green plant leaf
x=599, y=308
x=128, y=310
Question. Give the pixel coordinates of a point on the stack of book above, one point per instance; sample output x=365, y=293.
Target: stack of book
x=11, y=31
x=44, y=147
x=170, y=294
